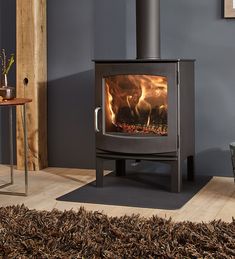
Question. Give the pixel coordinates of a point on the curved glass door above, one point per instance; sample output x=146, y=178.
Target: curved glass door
x=136, y=105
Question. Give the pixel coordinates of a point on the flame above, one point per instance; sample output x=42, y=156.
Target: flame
x=110, y=100
x=144, y=105
x=129, y=99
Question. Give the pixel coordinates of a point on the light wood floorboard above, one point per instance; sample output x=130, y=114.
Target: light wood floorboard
x=215, y=201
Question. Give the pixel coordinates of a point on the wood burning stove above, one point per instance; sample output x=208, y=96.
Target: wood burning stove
x=145, y=106
x=145, y=111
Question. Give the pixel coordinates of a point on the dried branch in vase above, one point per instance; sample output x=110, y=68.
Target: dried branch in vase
x=6, y=92
x=6, y=65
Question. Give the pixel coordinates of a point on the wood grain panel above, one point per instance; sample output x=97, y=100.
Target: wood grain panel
x=31, y=75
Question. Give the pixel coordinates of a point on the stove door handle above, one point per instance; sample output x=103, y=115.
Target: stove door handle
x=96, y=118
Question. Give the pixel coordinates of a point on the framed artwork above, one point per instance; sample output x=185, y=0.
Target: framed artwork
x=229, y=8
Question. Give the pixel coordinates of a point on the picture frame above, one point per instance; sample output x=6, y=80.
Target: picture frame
x=229, y=8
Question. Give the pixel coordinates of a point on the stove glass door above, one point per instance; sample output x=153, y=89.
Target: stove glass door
x=136, y=105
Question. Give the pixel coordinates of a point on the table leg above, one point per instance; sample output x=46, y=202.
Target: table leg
x=11, y=142
x=21, y=104
x=11, y=154
x=25, y=150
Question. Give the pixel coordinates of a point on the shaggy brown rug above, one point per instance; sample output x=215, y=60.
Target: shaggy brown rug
x=28, y=233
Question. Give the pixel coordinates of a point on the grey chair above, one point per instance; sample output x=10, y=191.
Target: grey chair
x=232, y=150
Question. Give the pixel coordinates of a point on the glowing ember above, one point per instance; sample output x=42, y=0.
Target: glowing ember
x=136, y=104
x=160, y=130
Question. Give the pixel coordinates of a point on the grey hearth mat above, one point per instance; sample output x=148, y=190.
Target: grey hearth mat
x=145, y=190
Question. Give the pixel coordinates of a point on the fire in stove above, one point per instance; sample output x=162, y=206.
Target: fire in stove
x=136, y=104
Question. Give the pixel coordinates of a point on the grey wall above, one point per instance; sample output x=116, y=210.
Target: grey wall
x=195, y=29
x=109, y=29
x=80, y=30
x=70, y=83
x=7, y=41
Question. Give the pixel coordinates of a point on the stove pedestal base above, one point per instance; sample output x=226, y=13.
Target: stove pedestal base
x=120, y=160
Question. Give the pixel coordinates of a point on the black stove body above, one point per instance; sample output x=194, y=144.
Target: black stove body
x=145, y=111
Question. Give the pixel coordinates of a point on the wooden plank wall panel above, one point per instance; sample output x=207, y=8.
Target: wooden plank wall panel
x=31, y=76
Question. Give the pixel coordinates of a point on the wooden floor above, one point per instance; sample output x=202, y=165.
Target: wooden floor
x=215, y=201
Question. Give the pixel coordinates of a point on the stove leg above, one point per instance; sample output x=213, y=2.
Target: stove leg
x=99, y=172
x=176, y=176
x=120, y=167
x=190, y=168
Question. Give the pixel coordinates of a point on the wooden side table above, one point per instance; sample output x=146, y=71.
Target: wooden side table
x=13, y=103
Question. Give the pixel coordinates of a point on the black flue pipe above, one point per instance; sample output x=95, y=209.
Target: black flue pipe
x=148, y=29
